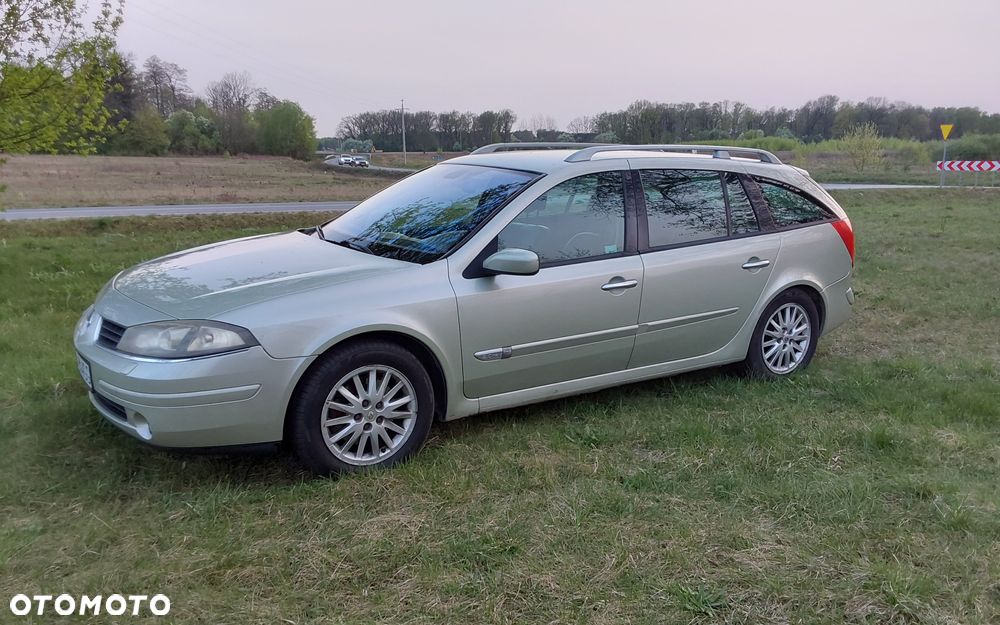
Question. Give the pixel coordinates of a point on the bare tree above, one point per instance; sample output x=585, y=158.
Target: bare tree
x=582, y=125
x=231, y=99
x=538, y=122
x=234, y=92
x=265, y=101
x=165, y=85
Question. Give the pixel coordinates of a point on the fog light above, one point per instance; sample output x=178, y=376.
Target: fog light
x=141, y=426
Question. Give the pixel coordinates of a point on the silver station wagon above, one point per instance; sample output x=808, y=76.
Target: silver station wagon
x=517, y=274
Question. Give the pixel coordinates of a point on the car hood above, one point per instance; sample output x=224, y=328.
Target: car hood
x=206, y=281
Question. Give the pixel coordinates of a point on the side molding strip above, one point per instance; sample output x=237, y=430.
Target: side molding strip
x=576, y=340
x=653, y=326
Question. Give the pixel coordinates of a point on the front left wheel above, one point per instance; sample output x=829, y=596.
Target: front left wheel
x=367, y=404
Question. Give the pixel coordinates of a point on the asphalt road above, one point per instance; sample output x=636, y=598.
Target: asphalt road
x=19, y=214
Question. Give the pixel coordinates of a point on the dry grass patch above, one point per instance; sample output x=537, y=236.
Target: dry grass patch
x=40, y=181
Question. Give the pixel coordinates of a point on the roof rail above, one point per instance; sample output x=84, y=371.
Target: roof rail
x=534, y=145
x=717, y=151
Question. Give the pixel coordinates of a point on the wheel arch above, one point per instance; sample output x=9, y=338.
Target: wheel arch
x=812, y=291
x=412, y=344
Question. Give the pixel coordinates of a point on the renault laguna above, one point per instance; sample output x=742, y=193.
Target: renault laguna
x=517, y=274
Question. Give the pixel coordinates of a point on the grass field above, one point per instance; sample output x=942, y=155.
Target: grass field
x=57, y=181
x=865, y=490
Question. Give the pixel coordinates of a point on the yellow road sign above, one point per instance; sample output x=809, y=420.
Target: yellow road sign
x=946, y=130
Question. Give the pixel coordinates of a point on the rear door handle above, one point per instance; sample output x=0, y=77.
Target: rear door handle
x=756, y=263
x=621, y=284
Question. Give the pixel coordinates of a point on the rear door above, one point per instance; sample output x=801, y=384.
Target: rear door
x=706, y=262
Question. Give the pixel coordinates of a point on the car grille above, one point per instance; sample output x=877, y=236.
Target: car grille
x=111, y=334
x=116, y=410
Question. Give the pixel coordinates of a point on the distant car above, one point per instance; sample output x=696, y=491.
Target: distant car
x=359, y=161
x=345, y=159
x=514, y=275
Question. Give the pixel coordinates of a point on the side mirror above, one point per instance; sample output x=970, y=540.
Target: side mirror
x=513, y=261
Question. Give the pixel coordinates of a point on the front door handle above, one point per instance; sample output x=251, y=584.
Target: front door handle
x=756, y=263
x=620, y=284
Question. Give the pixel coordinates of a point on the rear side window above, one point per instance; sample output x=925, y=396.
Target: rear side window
x=742, y=219
x=789, y=207
x=683, y=206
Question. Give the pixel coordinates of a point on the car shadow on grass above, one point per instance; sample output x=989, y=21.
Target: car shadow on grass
x=178, y=470
x=568, y=408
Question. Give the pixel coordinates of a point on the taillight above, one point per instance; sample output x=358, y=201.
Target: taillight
x=843, y=228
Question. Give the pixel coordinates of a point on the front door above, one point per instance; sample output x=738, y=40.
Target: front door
x=577, y=316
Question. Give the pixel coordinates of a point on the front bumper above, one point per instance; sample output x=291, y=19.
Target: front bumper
x=237, y=398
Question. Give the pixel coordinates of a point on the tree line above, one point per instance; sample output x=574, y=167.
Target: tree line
x=426, y=130
x=643, y=121
x=155, y=111
x=65, y=88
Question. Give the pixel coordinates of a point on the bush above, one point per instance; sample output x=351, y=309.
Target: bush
x=286, y=130
x=356, y=145
x=973, y=148
x=864, y=145
x=144, y=135
x=192, y=134
x=771, y=144
x=910, y=154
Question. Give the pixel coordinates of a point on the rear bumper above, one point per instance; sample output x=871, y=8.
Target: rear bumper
x=838, y=299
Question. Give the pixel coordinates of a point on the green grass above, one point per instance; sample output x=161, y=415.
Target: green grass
x=865, y=490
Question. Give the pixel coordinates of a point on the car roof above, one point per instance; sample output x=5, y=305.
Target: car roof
x=540, y=161
x=548, y=161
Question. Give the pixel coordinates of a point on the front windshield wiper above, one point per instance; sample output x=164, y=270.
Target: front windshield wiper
x=352, y=244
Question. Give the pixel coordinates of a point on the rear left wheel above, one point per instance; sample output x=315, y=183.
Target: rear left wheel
x=784, y=340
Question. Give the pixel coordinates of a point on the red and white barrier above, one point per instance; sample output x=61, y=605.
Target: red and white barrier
x=974, y=166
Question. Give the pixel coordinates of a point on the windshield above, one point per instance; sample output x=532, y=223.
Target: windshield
x=421, y=218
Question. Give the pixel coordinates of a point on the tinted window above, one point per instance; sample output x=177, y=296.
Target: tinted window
x=422, y=217
x=683, y=206
x=579, y=218
x=789, y=207
x=741, y=216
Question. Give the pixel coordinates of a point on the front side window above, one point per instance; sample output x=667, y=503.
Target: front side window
x=577, y=219
x=788, y=206
x=683, y=206
x=423, y=217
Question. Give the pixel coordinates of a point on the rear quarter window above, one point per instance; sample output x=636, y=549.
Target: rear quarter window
x=789, y=206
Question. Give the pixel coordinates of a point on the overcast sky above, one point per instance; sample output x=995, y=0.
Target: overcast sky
x=566, y=58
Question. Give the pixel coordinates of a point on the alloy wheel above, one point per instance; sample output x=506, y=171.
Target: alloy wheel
x=369, y=415
x=786, y=338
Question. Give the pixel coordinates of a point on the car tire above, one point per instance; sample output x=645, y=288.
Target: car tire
x=785, y=337
x=343, y=420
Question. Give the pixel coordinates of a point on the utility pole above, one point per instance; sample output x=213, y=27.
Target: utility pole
x=402, y=116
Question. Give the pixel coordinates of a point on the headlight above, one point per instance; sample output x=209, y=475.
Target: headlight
x=184, y=339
